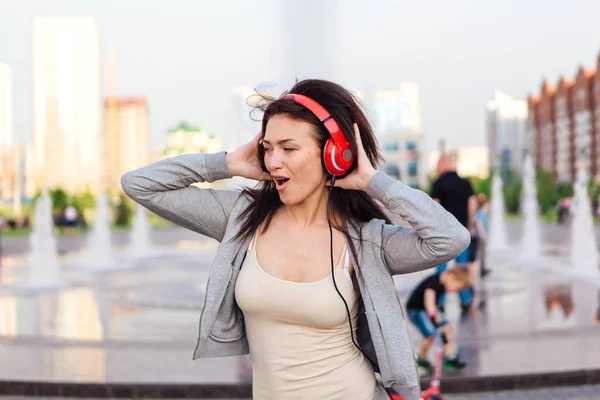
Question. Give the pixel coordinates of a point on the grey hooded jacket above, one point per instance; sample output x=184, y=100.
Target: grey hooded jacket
x=386, y=250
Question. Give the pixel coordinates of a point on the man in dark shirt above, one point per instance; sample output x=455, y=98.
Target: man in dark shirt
x=422, y=311
x=456, y=195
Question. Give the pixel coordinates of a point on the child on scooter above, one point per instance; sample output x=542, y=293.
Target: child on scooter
x=422, y=310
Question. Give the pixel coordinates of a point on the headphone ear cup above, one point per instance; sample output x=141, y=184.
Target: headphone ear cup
x=329, y=155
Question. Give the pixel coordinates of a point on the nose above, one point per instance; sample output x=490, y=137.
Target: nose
x=274, y=160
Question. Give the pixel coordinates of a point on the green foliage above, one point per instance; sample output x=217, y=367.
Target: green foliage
x=512, y=191
x=60, y=198
x=124, y=211
x=565, y=190
x=547, y=191
x=482, y=185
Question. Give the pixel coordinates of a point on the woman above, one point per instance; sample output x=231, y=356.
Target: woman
x=294, y=247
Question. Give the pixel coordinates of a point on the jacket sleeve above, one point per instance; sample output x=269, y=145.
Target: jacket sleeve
x=435, y=235
x=164, y=188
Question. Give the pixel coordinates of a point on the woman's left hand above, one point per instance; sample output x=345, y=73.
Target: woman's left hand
x=360, y=177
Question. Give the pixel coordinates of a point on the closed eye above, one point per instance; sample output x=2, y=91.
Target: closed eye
x=288, y=149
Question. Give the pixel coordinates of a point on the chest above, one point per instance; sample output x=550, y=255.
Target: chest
x=298, y=255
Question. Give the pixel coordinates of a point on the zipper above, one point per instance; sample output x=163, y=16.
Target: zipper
x=208, y=280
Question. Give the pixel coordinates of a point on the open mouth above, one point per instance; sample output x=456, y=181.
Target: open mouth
x=281, y=182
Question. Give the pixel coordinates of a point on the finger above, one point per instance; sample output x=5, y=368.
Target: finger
x=357, y=136
x=258, y=138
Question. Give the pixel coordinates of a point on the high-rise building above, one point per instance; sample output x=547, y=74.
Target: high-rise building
x=126, y=138
x=506, y=120
x=397, y=110
x=67, y=103
x=596, y=115
x=532, y=129
x=583, y=117
x=397, y=122
x=547, y=132
x=563, y=128
x=563, y=109
x=6, y=133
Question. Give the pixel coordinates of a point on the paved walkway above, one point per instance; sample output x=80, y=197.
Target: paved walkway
x=139, y=324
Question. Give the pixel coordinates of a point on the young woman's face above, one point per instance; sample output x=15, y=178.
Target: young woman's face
x=293, y=158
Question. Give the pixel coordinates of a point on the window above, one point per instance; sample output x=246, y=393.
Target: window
x=392, y=145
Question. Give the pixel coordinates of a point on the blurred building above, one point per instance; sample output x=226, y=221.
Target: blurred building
x=126, y=138
x=16, y=175
x=397, y=110
x=583, y=119
x=404, y=157
x=547, y=131
x=6, y=133
x=565, y=134
x=564, y=125
x=397, y=122
x=468, y=161
x=66, y=103
x=187, y=139
x=532, y=129
x=506, y=120
x=595, y=113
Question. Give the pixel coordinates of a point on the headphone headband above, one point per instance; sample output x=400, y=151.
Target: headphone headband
x=323, y=115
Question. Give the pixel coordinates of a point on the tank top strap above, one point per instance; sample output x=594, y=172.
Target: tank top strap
x=253, y=241
x=347, y=264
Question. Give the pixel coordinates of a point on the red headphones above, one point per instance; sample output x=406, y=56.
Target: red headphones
x=337, y=154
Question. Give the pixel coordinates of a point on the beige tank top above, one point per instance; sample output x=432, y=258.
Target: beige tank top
x=299, y=336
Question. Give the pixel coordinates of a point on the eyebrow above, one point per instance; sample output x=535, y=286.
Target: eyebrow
x=279, y=141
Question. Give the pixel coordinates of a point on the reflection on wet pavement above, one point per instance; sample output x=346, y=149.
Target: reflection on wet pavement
x=140, y=323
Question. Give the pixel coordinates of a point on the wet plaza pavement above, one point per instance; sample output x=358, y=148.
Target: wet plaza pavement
x=139, y=324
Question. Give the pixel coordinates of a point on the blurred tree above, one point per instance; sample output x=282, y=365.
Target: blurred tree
x=565, y=190
x=482, y=185
x=124, y=211
x=60, y=199
x=512, y=191
x=547, y=191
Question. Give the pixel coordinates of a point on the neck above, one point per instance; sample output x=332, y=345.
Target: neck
x=310, y=212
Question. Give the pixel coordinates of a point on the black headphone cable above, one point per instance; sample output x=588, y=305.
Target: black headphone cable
x=329, y=201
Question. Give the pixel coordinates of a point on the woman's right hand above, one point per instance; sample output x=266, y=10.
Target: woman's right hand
x=244, y=161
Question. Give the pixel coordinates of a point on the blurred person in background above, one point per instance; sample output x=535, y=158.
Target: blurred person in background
x=456, y=195
x=482, y=229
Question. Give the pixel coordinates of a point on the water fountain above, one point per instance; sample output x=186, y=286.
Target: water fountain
x=44, y=263
x=99, y=241
x=139, y=245
x=531, y=243
x=497, y=240
x=584, y=253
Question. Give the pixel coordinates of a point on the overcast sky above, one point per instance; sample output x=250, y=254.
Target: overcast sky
x=185, y=56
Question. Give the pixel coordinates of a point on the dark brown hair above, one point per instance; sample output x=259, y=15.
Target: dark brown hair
x=352, y=206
